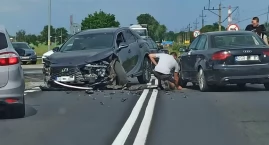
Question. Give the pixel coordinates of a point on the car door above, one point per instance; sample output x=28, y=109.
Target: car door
x=123, y=54
x=3, y=67
x=185, y=59
x=133, y=50
x=196, y=55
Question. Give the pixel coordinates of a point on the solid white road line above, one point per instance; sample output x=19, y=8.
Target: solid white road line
x=142, y=134
x=150, y=81
x=126, y=129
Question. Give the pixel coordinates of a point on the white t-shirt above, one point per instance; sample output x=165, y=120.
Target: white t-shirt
x=166, y=63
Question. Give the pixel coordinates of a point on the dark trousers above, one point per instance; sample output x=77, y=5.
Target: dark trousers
x=163, y=77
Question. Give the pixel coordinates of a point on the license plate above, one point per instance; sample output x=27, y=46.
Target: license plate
x=24, y=57
x=66, y=79
x=246, y=58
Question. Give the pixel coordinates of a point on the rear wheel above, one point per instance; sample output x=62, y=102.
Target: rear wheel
x=146, y=72
x=202, y=81
x=266, y=85
x=17, y=110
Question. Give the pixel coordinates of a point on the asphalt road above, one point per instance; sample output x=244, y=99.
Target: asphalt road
x=228, y=116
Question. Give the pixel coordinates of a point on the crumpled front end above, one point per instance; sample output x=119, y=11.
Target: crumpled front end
x=91, y=74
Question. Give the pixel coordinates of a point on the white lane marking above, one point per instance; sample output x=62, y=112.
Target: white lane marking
x=150, y=81
x=156, y=81
x=142, y=134
x=126, y=129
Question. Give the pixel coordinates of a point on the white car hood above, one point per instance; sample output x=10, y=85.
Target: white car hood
x=47, y=54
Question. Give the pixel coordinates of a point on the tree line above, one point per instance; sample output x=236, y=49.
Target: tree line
x=101, y=19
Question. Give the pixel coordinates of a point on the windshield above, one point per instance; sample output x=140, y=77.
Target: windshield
x=20, y=45
x=89, y=41
x=141, y=32
x=236, y=40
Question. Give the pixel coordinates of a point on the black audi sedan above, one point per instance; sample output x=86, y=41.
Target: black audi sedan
x=99, y=56
x=227, y=57
x=27, y=53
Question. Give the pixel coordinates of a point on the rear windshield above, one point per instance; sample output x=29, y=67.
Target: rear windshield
x=222, y=41
x=3, y=41
x=20, y=45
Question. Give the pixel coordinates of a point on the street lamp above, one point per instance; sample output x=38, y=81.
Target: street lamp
x=49, y=23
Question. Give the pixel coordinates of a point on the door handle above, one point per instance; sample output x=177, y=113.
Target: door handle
x=129, y=51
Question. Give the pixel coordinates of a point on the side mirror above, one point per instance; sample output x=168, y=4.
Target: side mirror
x=55, y=49
x=123, y=45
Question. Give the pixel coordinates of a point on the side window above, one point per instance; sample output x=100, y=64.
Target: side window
x=3, y=41
x=201, y=43
x=194, y=43
x=154, y=44
x=150, y=44
x=120, y=39
x=129, y=37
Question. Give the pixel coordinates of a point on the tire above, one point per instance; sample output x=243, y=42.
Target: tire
x=203, y=86
x=182, y=83
x=119, y=70
x=17, y=110
x=146, y=72
x=266, y=85
x=33, y=62
x=241, y=85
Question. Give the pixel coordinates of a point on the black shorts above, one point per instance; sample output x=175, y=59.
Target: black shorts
x=164, y=77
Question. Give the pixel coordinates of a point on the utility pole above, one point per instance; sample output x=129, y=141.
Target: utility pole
x=49, y=23
x=196, y=24
x=219, y=15
x=189, y=31
x=61, y=36
x=267, y=16
x=203, y=18
x=55, y=39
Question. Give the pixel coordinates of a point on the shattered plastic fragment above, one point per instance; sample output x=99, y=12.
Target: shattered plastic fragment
x=89, y=91
x=101, y=103
x=112, y=93
x=123, y=99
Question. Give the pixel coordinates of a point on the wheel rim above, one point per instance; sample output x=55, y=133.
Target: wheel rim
x=201, y=79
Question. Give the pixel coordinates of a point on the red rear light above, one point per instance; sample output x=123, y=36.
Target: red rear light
x=8, y=58
x=221, y=55
x=10, y=101
x=266, y=52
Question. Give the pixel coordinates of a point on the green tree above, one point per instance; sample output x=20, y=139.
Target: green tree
x=61, y=35
x=99, y=20
x=156, y=30
x=170, y=36
x=32, y=39
x=211, y=28
x=44, y=34
x=20, y=36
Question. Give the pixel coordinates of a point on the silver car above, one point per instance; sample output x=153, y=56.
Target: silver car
x=11, y=78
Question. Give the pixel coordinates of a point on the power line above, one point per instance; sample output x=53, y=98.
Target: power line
x=231, y=14
x=252, y=17
x=203, y=20
x=219, y=14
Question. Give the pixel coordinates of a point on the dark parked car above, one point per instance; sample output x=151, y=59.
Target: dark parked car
x=99, y=56
x=220, y=58
x=27, y=53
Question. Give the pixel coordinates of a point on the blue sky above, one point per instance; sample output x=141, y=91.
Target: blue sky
x=32, y=15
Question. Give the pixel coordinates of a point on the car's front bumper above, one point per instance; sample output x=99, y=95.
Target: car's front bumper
x=238, y=74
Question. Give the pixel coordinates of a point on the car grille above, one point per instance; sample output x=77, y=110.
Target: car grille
x=66, y=71
x=28, y=54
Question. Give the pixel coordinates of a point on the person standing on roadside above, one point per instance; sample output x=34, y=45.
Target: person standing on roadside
x=257, y=28
x=163, y=69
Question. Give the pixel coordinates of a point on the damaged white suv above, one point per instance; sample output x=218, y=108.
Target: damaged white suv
x=96, y=57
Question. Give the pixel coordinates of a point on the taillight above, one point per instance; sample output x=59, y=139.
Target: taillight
x=266, y=52
x=221, y=55
x=8, y=58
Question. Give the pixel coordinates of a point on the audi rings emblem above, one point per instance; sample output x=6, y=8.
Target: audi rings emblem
x=247, y=51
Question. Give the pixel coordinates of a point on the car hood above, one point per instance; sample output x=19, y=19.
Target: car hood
x=79, y=57
x=48, y=53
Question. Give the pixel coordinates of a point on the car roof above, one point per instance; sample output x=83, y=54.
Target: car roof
x=228, y=33
x=101, y=30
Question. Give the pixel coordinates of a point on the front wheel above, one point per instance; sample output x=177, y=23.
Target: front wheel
x=201, y=81
x=266, y=85
x=146, y=72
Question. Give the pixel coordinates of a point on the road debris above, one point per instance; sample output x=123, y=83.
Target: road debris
x=102, y=103
x=89, y=92
x=124, y=99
